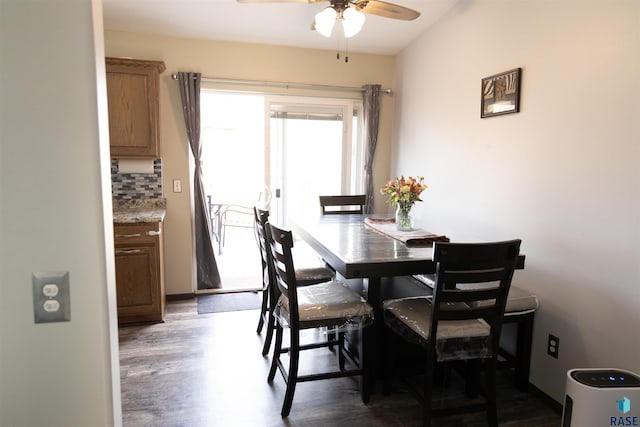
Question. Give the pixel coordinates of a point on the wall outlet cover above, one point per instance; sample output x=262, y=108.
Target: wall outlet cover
x=553, y=346
x=51, y=300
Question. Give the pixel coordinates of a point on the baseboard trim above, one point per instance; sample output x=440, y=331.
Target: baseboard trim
x=176, y=297
x=225, y=291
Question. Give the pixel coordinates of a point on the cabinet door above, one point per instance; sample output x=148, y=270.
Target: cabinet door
x=132, y=91
x=139, y=277
x=137, y=280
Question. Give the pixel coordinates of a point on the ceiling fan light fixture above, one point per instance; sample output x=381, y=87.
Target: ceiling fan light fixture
x=352, y=21
x=325, y=20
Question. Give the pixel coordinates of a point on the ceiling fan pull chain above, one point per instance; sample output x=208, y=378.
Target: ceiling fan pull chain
x=346, y=51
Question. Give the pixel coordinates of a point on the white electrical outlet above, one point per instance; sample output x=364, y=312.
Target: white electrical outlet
x=553, y=346
x=177, y=186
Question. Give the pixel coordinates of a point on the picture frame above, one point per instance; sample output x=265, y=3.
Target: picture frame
x=500, y=94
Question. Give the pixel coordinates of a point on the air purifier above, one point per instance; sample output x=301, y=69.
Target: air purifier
x=601, y=398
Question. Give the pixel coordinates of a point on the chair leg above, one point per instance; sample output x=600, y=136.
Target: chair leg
x=490, y=392
x=341, y=357
x=263, y=311
x=427, y=410
x=472, y=370
x=387, y=361
x=331, y=336
x=260, y=322
x=294, y=355
x=364, y=350
x=277, y=350
x=271, y=320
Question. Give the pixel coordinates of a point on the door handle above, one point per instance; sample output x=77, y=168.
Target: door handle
x=127, y=252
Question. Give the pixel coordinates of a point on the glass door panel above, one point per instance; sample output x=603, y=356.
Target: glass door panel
x=312, y=153
x=232, y=135
x=232, y=139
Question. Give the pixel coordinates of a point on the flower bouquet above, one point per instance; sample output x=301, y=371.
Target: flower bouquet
x=403, y=193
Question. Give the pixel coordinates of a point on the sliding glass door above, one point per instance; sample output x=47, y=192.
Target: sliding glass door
x=314, y=148
x=232, y=133
x=288, y=149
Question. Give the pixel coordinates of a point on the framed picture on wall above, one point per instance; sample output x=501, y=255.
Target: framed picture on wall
x=501, y=94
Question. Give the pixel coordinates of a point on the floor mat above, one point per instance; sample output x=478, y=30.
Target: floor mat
x=236, y=301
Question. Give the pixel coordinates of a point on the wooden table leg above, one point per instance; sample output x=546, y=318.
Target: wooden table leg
x=376, y=336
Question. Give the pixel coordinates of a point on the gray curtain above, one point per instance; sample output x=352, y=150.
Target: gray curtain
x=208, y=274
x=371, y=119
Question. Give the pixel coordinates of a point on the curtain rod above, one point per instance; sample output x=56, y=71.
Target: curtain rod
x=285, y=85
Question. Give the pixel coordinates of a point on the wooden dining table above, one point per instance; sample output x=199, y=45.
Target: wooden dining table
x=358, y=251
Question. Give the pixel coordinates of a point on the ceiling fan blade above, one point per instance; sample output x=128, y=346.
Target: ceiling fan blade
x=387, y=10
x=271, y=1
x=280, y=1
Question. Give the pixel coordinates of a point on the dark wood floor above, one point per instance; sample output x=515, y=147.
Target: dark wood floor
x=207, y=370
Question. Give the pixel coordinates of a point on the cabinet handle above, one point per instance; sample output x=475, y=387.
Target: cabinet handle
x=128, y=235
x=153, y=233
x=127, y=252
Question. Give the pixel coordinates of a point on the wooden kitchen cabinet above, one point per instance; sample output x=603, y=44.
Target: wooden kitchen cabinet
x=133, y=96
x=139, y=272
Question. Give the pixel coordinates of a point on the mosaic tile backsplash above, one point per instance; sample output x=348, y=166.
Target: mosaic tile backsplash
x=136, y=185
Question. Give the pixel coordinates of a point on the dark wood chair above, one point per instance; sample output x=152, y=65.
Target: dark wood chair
x=325, y=305
x=460, y=322
x=308, y=272
x=341, y=205
x=520, y=310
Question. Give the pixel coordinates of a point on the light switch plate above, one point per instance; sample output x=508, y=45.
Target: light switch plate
x=51, y=300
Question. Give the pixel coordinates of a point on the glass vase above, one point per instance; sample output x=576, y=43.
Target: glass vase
x=404, y=219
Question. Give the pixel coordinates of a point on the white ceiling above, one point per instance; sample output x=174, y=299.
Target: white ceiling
x=287, y=24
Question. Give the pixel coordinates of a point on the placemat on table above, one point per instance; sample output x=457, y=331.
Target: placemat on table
x=415, y=237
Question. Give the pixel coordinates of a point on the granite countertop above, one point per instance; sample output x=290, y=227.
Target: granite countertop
x=139, y=210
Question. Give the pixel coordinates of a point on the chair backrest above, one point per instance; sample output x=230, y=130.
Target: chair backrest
x=281, y=243
x=261, y=221
x=335, y=205
x=472, y=282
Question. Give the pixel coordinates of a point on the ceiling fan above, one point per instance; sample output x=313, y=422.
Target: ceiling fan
x=350, y=13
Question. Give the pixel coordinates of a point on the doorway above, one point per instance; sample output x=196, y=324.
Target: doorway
x=232, y=134
x=277, y=152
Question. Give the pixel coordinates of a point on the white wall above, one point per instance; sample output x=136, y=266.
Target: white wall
x=55, y=214
x=562, y=174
